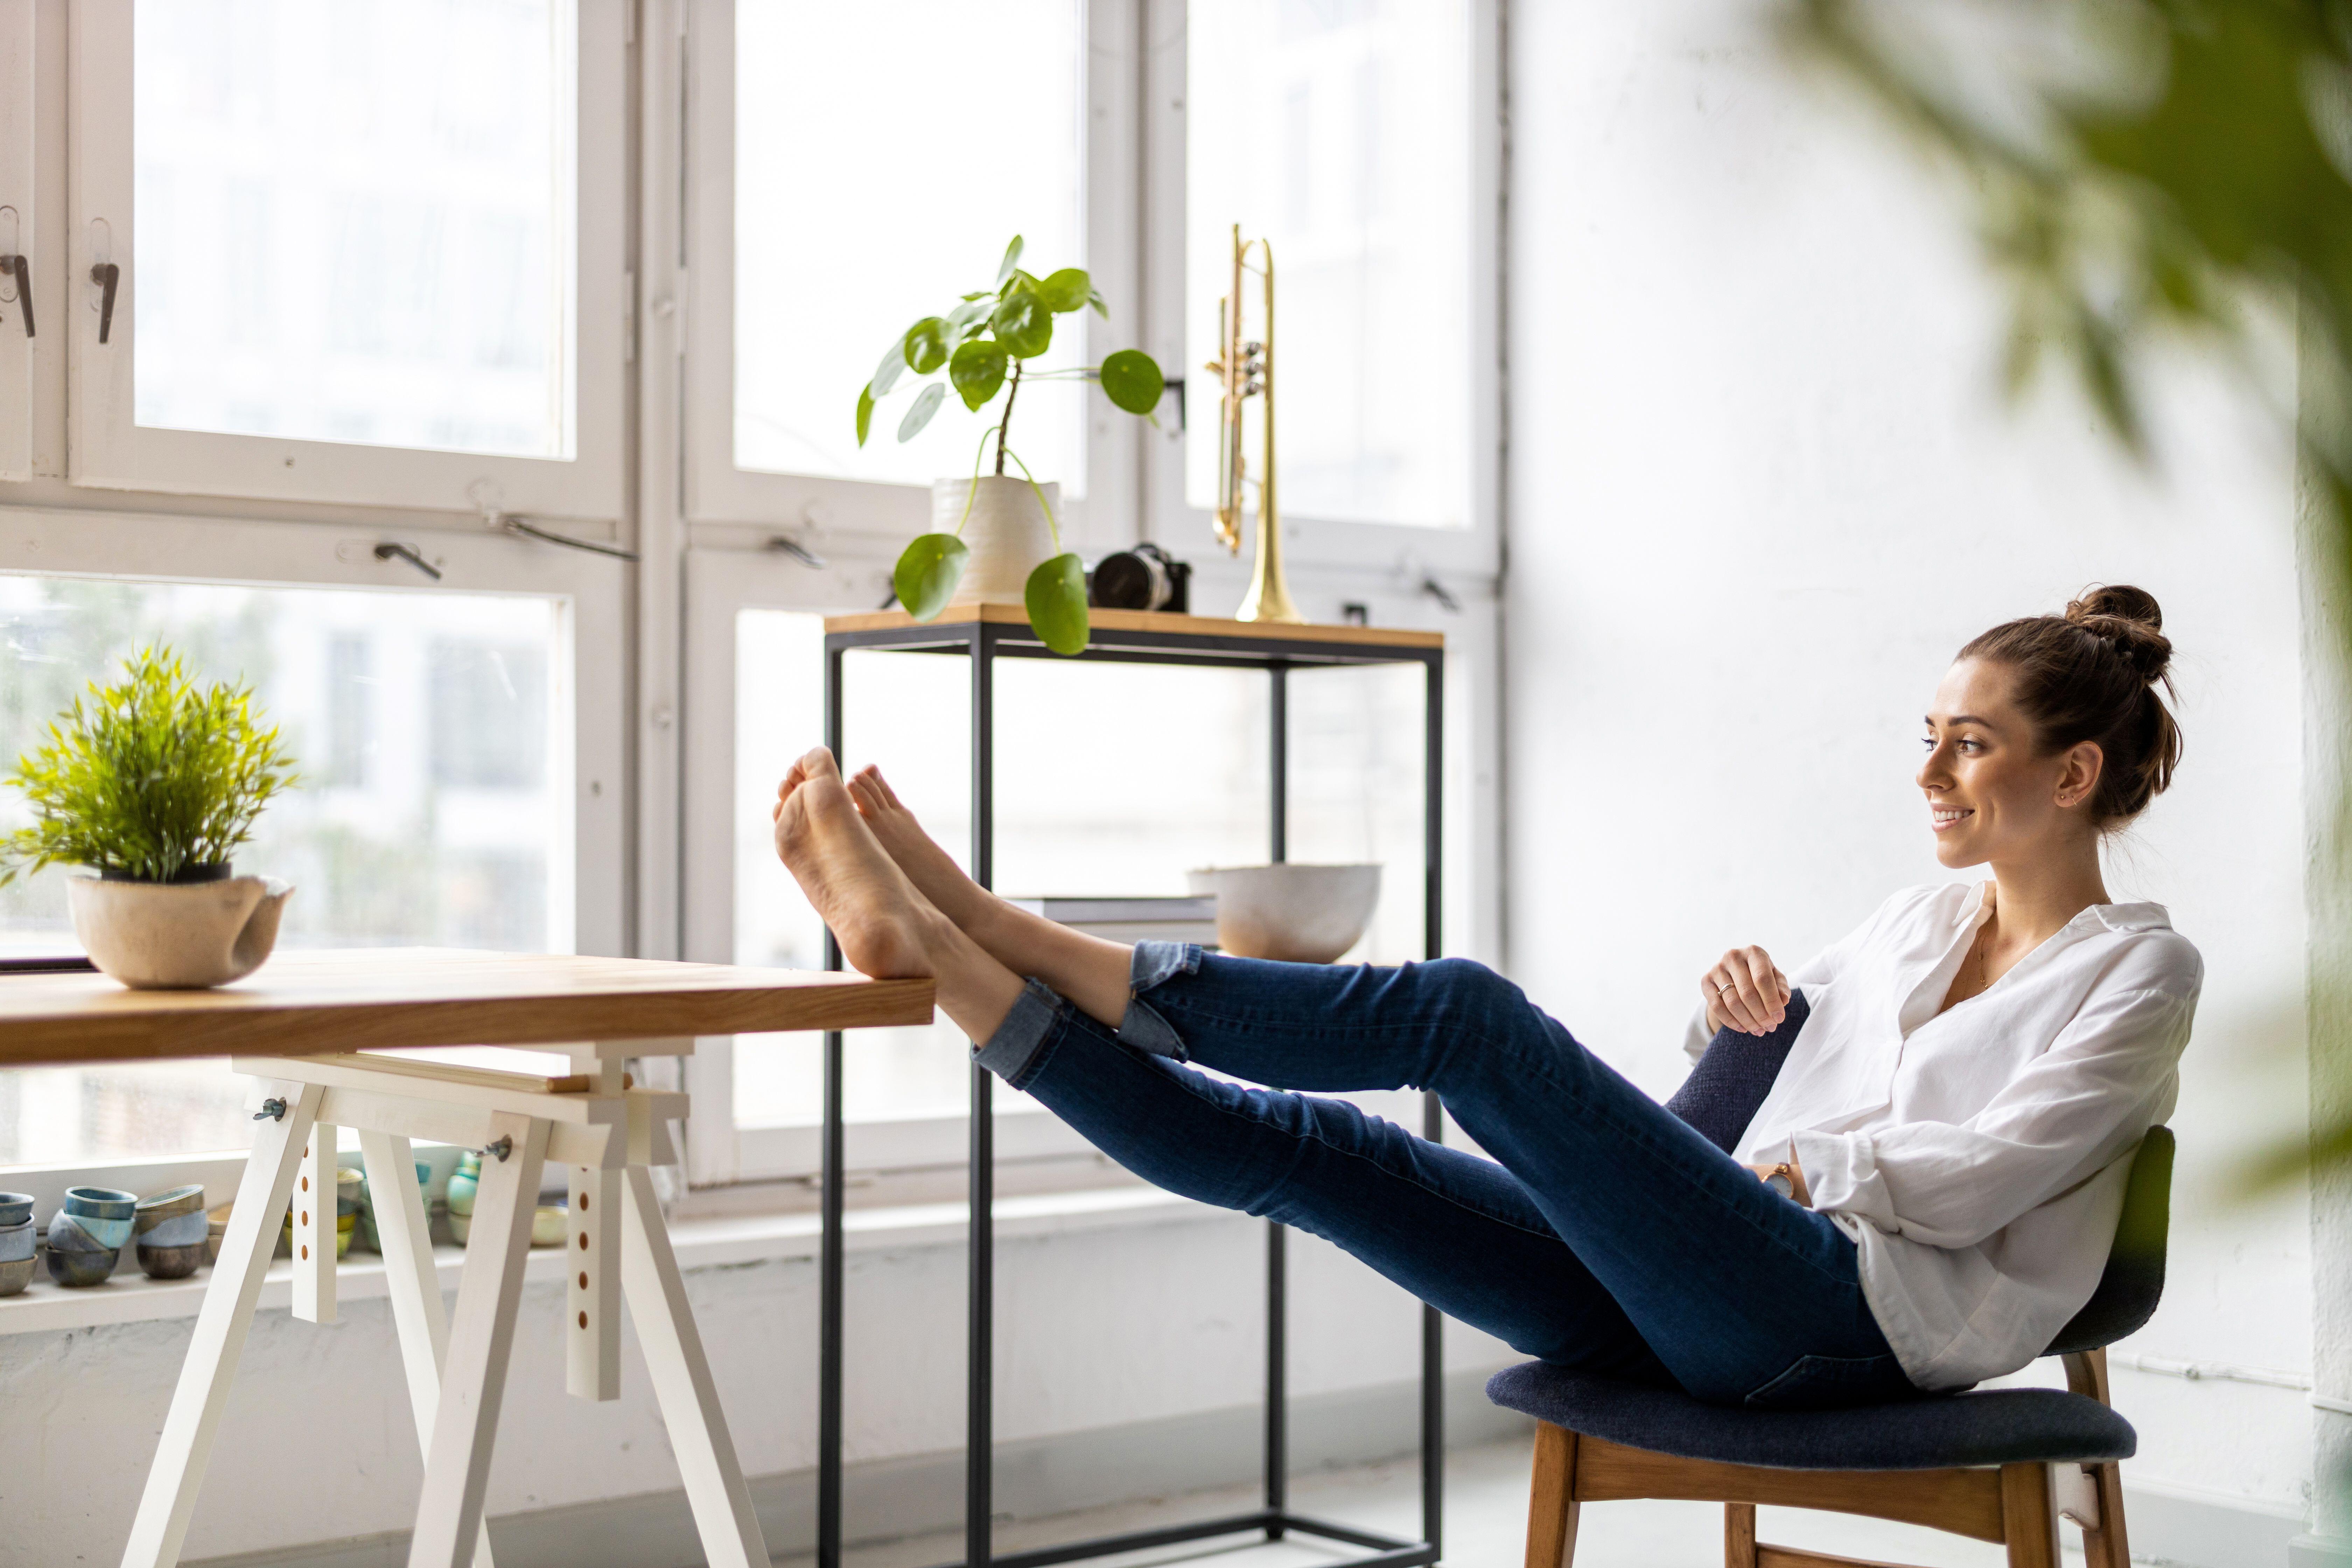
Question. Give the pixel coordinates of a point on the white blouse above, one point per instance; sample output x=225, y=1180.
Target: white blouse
x=1978, y=1156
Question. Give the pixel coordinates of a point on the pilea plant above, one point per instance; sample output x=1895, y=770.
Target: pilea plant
x=153, y=780
x=985, y=345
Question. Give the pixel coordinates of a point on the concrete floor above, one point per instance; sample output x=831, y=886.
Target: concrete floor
x=1486, y=1500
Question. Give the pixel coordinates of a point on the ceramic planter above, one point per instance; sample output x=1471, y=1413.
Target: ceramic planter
x=176, y=935
x=1006, y=534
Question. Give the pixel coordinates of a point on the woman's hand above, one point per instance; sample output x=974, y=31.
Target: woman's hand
x=1745, y=990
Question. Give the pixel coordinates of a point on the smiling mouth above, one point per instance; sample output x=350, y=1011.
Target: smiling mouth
x=1944, y=817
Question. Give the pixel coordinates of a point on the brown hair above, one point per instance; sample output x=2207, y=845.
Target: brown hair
x=2092, y=675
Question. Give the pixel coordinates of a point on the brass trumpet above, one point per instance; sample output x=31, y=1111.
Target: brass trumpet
x=1244, y=368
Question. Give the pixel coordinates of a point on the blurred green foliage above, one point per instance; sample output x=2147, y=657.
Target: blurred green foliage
x=2145, y=173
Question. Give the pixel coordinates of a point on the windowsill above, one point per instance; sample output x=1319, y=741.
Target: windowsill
x=713, y=1242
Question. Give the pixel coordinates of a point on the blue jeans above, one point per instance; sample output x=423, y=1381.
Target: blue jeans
x=1605, y=1234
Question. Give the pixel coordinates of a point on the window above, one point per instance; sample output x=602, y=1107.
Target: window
x=1342, y=132
x=18, y=319
x=924, y=206
x=409, y=216
x=805, y=268
x=383, y=845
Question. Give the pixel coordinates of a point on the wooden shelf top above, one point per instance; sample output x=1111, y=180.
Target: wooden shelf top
x=305, y=1002
x=1176, y=627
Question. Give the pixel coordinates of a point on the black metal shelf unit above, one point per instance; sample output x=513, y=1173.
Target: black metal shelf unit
x=985, y=636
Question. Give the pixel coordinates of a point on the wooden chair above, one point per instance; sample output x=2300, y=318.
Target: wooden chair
x=2001, y=1465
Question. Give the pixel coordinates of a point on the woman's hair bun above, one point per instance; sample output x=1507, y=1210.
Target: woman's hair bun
x=2128, y=620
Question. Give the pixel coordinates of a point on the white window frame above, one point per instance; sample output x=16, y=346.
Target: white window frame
x=16, y=179
x=822, y=512
x=111, y=450
x=1405, y=553
x=585, y=680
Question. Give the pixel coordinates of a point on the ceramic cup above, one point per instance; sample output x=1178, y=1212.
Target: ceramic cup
x=216, y=1227
x=172, y=1229
x=76, y=1257
x=16, y=1208
x=106, y=1212
x=15, y=1275
x=18, y=1242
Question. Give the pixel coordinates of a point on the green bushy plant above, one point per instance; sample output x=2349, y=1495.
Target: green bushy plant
x=148, y=778
x=985, y=345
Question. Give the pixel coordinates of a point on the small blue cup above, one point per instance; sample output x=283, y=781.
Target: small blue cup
x=106, y=1212
x=16, y=1242
x=16, y=1208
x=76, y=1257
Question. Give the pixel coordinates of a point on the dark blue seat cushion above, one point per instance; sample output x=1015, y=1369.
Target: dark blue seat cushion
x=1992, y=1426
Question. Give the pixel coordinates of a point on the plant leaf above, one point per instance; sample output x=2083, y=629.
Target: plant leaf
x=927, y=345
x=1094, y=297
x=864, y=411
x=1022, y=323
x=1131, y=380
x=1012, y=259
x=967, y=319
x=928, y=571
x=926, y=405
x=1067, y=289
x=1055, y=596
x=977, y=368
x=886, y=374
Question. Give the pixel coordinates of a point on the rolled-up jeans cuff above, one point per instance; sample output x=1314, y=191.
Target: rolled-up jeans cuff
x=1010, y=1051
x=1143, y=1028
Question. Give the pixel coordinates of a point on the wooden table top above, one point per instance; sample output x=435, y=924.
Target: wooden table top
x=306, y=1002
x=1151, y=621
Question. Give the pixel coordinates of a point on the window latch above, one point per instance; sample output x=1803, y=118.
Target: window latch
x=106, y=274
x=20, y=267
x=388, y=551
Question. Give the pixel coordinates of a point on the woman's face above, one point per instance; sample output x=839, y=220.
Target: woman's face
x=1990, y=796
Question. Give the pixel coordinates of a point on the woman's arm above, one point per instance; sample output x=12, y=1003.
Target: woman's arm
x=2070, y=1112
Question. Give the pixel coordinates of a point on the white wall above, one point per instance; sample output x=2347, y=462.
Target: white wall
x=1761, y=487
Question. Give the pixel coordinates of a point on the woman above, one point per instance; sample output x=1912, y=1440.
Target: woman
x=1944, y=1150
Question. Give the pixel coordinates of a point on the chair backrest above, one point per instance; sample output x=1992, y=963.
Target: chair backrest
x=1728, y=1087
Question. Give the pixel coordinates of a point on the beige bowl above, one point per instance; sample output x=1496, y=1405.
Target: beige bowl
x=1299, y=914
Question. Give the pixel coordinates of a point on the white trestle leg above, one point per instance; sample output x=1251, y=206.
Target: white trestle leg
x=457, y=1461
x=592, y=1289
x=404, y=1231
x=222, y=1325
x=723, y=1514
x=314, y=1228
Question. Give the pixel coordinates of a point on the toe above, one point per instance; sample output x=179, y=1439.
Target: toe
x=817, y=763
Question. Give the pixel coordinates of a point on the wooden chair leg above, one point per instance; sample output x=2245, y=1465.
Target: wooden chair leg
x=2028, y=1515
x=2107, y=1546
x=1739, y=1535
x=1551, y=1499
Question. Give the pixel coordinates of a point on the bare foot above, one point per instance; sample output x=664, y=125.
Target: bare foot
x=931, y=869
x=884, y=928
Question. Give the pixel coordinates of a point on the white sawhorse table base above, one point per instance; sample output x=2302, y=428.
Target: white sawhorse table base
x=608, y=1134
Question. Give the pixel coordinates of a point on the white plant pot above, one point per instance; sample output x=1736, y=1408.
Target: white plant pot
x=162, y=936
x=1006, y=534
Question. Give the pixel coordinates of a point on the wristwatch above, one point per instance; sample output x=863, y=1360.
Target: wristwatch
x=1788, y=1180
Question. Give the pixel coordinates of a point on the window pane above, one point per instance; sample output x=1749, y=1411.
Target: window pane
x=431, y=811
x=1340, y=131
x=356, y=221
x=884, y=153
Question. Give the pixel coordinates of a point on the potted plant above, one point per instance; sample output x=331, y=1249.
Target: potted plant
x=149, y=788
x=995, y=537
